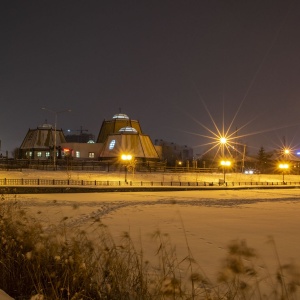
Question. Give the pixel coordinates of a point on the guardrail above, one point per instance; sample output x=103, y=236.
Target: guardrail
x=60, y=182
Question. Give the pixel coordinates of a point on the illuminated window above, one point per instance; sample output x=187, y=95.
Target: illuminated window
x=47, y=154
x=77, y=154
x=112, y=145
x=39, y=154
x=91, y=154
x=128, y=129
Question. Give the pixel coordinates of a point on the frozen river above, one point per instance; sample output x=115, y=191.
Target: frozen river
x=208, y=220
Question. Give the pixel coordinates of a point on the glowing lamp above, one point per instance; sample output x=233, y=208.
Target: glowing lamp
x=126, y=157
x=225, y=163
x=223, y=140
x=283, y=166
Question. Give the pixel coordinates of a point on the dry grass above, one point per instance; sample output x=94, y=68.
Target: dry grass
x=64, y=263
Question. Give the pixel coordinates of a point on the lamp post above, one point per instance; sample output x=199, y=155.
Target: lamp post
x=225, y=164
x=126, y=158
x=223, y=142
x=283, y=167
x=55, y=122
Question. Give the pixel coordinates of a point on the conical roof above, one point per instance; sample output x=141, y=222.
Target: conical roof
x=42, y=137
x=123, y=135
x=113, y=126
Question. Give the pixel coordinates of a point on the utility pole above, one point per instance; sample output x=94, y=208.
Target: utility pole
x=55, y=122
x=243, y=159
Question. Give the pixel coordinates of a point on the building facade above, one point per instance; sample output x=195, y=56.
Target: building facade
x=173, y=153
x=117, y=136
x=39, y=143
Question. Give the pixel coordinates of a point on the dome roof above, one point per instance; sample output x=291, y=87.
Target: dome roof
x=121, y=116
x=45, y=126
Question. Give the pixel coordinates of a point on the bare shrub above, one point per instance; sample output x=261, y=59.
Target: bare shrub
x=65, y=263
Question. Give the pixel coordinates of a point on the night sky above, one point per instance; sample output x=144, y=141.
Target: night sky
x=164, y=63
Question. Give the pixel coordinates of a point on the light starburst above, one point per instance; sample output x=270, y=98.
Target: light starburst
x=224, y=141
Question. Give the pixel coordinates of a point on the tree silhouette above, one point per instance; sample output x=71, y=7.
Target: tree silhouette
x=264, y=160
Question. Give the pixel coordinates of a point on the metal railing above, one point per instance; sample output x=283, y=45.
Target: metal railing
x=103, y=183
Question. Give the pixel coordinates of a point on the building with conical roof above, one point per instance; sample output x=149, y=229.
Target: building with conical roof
x=39, y=143
x=118, y=122
x=117, y=136
x=123, y=135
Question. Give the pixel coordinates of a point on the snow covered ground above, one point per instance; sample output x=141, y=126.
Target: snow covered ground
x=206, y=220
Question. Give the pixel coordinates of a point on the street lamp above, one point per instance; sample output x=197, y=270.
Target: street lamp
x=283, y=167
x=225, y=164
x=223, y=140
x=55, y=122
x=126, y=158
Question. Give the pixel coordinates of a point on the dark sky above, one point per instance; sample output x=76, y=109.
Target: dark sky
x=164, y=63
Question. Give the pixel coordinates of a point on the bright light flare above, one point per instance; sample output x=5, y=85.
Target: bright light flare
x=223, y=140
x=126, y=157
x=225, y=163
x=283, y=166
